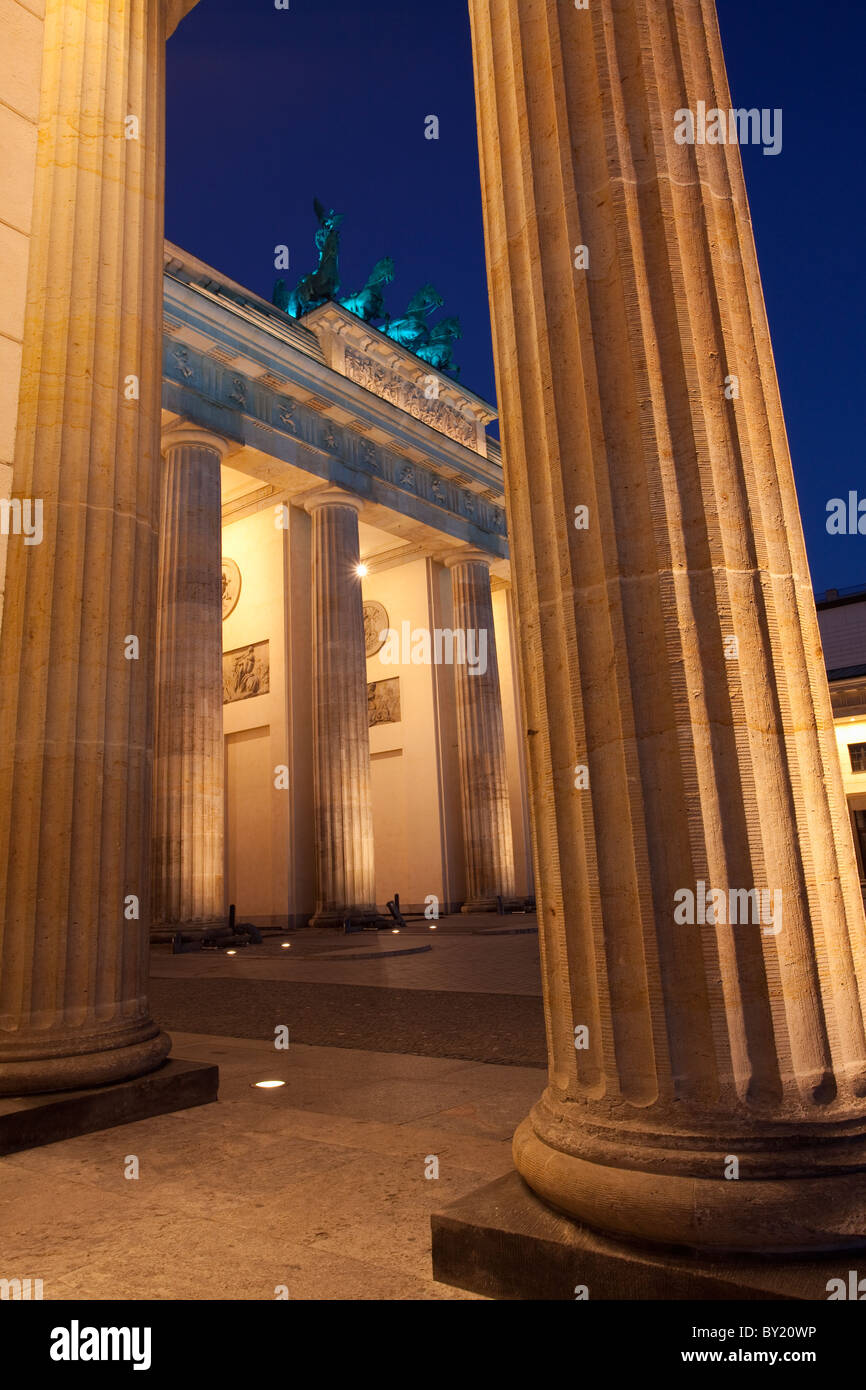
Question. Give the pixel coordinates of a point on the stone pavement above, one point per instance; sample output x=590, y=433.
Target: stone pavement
x=499, y=957
x=318, y=1186
x=458, y=994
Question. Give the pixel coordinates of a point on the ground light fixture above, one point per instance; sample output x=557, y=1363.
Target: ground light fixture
x=267, y=1085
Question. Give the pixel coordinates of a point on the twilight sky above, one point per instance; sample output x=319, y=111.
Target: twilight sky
x=268, y=108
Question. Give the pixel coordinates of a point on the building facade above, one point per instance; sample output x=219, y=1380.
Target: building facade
x=282, y=428
x=842, y=621
x=669, y=648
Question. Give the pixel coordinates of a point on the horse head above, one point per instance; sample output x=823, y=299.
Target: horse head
x=382, y=273
x=424, y=302
x=446, y=331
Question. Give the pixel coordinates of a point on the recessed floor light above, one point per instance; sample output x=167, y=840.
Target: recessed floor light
x=286, y=945
x=231, y=953
x=395, y=931
x=268, y=1085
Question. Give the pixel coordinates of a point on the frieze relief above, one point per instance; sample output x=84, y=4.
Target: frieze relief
x=216, y=382
x=391, y=387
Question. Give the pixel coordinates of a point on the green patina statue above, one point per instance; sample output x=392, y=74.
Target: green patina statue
x=412, y=330
x=321, y=284
x=438, y=349
x=369, y=303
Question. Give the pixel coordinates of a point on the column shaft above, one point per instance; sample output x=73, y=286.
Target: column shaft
x=189, y=778
x=670, y=645
x=343, y=800
x=487, y=838
x=76, y=650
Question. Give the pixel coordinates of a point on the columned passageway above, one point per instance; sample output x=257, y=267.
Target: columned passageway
x=189, y=795
x=343, y=803
x=670, y=646
x=487, y=838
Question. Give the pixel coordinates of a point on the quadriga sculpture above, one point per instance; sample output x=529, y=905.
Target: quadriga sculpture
x=369, y=303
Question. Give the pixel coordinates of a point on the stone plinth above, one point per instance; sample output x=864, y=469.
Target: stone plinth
x=707, y=1080
x=504, y=1242
x=31, y=1121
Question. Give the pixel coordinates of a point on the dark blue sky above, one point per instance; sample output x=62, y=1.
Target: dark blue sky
x=268, y=108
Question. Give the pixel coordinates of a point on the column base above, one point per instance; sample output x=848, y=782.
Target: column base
x=98, y=1068
x=28, y=1123
x=504, y=1242
x=784, y=1215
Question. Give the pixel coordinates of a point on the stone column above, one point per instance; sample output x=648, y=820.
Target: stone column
x=77, y=643
x=487, y=841
x=189, y=778
x=343, y=801
x=669, y=645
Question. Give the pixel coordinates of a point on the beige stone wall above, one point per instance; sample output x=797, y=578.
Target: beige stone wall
x=20, y=74
x=256, y=730
x=851, y=731
x=415, y=769
x=412, y=856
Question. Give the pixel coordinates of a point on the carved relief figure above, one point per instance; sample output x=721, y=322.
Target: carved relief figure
x=375, y=627
x=383, y=702
x=246, y=672
x=231, y=587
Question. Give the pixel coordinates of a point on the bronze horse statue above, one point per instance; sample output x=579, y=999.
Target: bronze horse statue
x=438, y=349
x=369, y=303
x=411, y=330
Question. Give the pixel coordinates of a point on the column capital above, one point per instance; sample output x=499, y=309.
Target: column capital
x=194, y=434
x=332, y=497
x=469, y=555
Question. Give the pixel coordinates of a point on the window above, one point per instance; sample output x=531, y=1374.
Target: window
x=857, y=754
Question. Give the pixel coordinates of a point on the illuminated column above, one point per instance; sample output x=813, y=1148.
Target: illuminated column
x=77, y=643
x=669, y=646
x=189, y=779
x=487, y=841
x=343, y=803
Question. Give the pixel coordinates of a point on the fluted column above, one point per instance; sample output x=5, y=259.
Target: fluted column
x=189, y=778
x=343, y=801
x=670, y=648
x=487, y=841
x=77, y=648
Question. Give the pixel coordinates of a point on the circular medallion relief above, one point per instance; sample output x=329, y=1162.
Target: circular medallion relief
x=231, y=587
x=375, y=627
